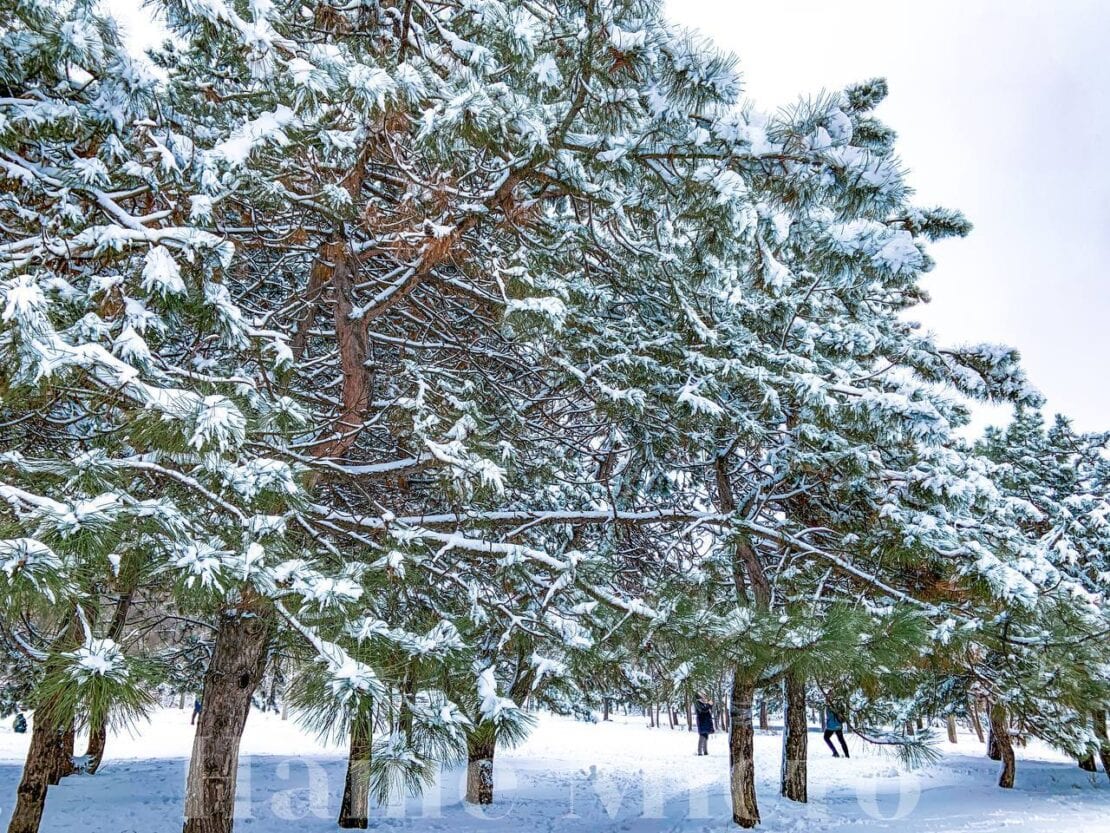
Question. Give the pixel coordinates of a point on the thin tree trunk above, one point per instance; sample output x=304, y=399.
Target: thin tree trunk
x=909, y=727
x=181, y=700
x=920, y=724
x=670, y=716
x=795, y=739
x=689, y=715
x=976, y=724
x=951, y=728
x=354, y=812
x=98, y=732
x=741, y=752
x=764, y=724
x=479, y=771
x=235, y=671
x=30, y=796
x=604, y=709
x=1099, y=717
x=994, y=749
x=1000, y=732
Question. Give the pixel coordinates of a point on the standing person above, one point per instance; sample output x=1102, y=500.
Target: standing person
x=704, y=709
x=834, y=725
x=196, y=711
x=19, y=725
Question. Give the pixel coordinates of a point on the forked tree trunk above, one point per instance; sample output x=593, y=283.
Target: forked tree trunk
x=951, y=728
x=741, y=752
x=354, y=812
x=30, y=796
x=976, y=724
x=1000, y=732
x=238, y=661
x=1099, y=717
x=795, y=739
x=479, y=771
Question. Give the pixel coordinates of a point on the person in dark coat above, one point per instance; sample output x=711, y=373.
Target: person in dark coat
x=19, y=725
x=704, y=709
x=834, y=725
x=196, y=711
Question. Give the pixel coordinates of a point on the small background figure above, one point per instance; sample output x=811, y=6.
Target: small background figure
x=19, y=725
x=704, y=709
x=834, y=725
x=196, y=711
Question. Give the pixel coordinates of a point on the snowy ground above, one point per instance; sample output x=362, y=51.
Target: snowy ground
x=573, y=777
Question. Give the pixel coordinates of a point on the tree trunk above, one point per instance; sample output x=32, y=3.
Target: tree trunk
x=976, y=724
x=1000, y=732
x=1099, y=717
x=994, y=750
x=479, y=771
x=62, y=753
x=604, y=708
x=689, y=715
x=764, y=724
x=920, y=724
x=909, y=727
x=354, y=812
x=795, y=739
x=741, y=752
x=181, y=700
x=1087, y=764
x=30, y=796
x=670, y=716
x=235, y=671
x=98, y=733
x=951, y=728
x=98, y=736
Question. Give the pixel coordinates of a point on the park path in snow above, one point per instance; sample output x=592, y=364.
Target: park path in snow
x=575, y=777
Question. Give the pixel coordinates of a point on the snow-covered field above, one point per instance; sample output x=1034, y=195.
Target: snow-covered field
x=571, y=777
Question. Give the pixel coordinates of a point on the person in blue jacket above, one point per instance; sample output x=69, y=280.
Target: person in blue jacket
x=704, y=709
x=834, y=725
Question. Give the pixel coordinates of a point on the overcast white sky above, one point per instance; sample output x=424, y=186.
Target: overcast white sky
x=1002, y=111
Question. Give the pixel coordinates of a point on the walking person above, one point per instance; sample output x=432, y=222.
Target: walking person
x=704, y=709
x=834, y=725
x=196, y=711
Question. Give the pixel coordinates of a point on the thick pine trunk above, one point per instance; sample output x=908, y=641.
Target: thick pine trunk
x=741, y=752
x=951, y=728
x=1099, y=717
x=62, y=753
x=795, y=739
x=479, y=771
x=235, y=671
x=354, y=812
x=1000, y=735
x=30, y=796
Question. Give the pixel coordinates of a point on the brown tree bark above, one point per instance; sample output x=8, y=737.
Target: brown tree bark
x=1000, y=733
x=354, y=812
x=1099, y=717
x=951, y=721
x=98, y=732
x=479, y=771
x=741, y=752
x=764, y=723
x=795, y=740
x=30, y=796
x=235, y=671
x=976, y=724
x=65, y=739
